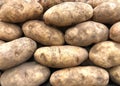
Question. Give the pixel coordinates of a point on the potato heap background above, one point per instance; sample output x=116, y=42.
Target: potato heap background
x=60, y=42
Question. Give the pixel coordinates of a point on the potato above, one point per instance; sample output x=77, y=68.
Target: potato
x=16, y=52
x=80, y=76
x=27, y=74
x=105, y=54
x=42, y=33
x=60, y=56
x=115, y=32
x=16, y=11
x=68, y=13
x=9, y=31
x=2, y=42
x=86, y=33
x=115, y=74
x=107, y=12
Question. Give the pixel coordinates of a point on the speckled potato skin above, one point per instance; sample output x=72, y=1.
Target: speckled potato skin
x=86, y=33
x=80, y=76
x=68, y=13
x=115, y=74
x=16, y=52
x=60, y=56
x=115, y=32
x=9, y=31
x=27, y=74
x=102, y=13
x=16, y=11
x=105, y=54
x=42, y=33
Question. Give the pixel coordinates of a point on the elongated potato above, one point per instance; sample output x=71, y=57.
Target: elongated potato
x=42, y=33
x=9, y=31
x=60, y=56
x=68, y=13
x=16, y=52
x=16, y=11
x=86, y=33
x=115, y=74
x=102, y=13
x=105, y=54
x=80, y=76
x=27, y=74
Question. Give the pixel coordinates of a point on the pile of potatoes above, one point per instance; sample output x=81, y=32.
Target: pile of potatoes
x=60, y=42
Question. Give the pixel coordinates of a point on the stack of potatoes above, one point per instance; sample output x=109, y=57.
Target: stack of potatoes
x=60, y=42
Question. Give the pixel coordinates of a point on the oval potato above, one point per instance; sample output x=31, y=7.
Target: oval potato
x=42, y=33
x=105, y=54
x=27, y=74
x=16, y=52
x=60, y=56
x=86, y=33
x=80, y=76
x=68, y=13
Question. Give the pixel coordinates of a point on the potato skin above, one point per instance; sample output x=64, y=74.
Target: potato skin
x=9, y=31
x=115, y=74
x=105, y=54
x=2, y=42
x=16, y=52
x=60, y=56
x=20, y=10
x=68, y=13
x=27, y=74
x=102, y=13
x=80, y=76
x=42, y=33
x=86, y=33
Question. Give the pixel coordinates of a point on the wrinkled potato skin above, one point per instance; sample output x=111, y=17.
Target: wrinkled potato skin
x=102, y=13
x=115, y=32
x=68, y=13
x=9, y=32
x=115, y=74
x=86, y=33
x=27, y=74
x=60, y=56
x=16, y=52
x=105, y=54
x=42, y=33
x=80, y=76
x=16, y=11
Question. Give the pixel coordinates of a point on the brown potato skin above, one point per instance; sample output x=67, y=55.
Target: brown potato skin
x=60, y=56
x=86, y=33
x=9, y=31
x=115, y=74
x=16, y=11
x=2, y=42
x=115, y=32
x=80, y=76
x=102, y=13
x=68, y=13
x=27, y=74
x=105, y=54
x=42, y=33
x=16, y=52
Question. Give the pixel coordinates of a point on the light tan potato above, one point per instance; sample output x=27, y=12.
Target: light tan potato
x=9, y=31
x=80, y=76
x=16, y=52
x=2, y=42
x=68, y=13
x=107, y=12
x=115, y=74
x=60, y=56
x=27, y=74
x=105, y=54
x=16, y=11
x=86, y=33
x=42, y=33
x=115, y=32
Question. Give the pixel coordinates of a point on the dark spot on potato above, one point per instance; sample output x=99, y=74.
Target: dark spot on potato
x=77, y=59
x=43, y=57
